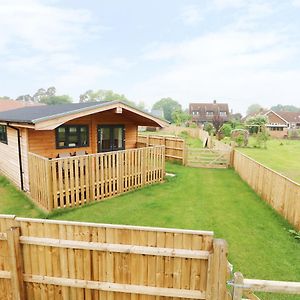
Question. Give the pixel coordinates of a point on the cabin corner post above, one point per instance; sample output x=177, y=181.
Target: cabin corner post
x=16, y=263
x=218, y=271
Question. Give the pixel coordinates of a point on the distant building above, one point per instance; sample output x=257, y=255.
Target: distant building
x=206, y=112
x=279, y=122
x=8, y=104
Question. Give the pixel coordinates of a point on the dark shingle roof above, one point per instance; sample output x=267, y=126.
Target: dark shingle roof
x=35, y=114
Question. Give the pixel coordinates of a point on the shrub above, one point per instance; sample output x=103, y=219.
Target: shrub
x=240, y=136
x=209, y=127
x=226, y=130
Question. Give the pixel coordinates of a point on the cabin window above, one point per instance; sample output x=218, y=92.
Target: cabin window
x=111, y=138
x=72, y=136
x=3, y=134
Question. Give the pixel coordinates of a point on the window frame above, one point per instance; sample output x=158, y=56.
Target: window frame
x=111, y=128
x=67, y=130
x=5, y=140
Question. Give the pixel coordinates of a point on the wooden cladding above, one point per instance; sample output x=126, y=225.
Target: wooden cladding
x=279, y=191
x=73, y=260
x=74, y=181
x=175, y=147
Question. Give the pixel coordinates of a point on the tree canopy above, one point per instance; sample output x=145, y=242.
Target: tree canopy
x=108, y=95
x=280, y=107
x=169, y=106
x=46, y=96
x=51, y=100
x=254, y=108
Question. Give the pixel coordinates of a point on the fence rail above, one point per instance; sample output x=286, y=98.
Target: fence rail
x=46, y=259
x=74, y=181
x=245, y=287
x=174, y=147
x=207, y=158
x=280, y=192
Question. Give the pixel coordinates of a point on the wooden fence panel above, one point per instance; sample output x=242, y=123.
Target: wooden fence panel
x=280, y=192
x=73, y=260
x=174, y=147
x=78, y=180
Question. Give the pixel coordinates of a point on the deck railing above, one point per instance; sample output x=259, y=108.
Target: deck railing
x=78, y=180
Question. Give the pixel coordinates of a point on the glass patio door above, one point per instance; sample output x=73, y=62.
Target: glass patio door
x=111, y=138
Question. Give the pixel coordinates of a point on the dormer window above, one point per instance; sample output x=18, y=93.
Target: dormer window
x=209, y=113
x=223, y=113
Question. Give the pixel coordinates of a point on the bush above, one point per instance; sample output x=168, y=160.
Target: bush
x=261, y=139
x=193, y=125
x=209, y=127
x=226, y=130
x=240, y=137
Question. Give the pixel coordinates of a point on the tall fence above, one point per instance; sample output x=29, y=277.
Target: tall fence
x=174, y=147
x=44, y=259
x=74, y=181
x=280, y=192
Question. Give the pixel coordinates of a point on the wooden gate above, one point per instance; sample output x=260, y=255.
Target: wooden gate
x=207, y=158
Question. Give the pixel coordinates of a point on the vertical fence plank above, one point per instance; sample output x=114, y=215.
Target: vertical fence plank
x=238, y=291
x=16, y=263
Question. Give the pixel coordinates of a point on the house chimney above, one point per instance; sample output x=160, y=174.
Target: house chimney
x=215, y=101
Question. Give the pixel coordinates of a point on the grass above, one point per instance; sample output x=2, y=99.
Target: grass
x=259, y=244
x=280, y=155
x=14, y=202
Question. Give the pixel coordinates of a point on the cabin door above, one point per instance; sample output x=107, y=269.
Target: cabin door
x=111, y=138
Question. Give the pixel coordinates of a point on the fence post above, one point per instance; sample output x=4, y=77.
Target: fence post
x=237, y=291
x=16, y=263
x=147, y=142
x=217, y=271
x=49, y=183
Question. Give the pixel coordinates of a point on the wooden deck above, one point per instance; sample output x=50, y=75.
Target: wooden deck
x=78, y=180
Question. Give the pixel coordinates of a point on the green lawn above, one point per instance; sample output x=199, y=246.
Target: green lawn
x=280, y=155
x=259, y=244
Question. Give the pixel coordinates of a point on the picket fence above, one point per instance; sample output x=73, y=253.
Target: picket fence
x=78, y=180
x=59, y=260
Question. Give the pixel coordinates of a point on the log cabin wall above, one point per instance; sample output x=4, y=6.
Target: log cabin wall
x=9, y=157
x=43, y=142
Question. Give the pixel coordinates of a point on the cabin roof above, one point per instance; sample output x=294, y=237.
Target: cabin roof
x=35, y=115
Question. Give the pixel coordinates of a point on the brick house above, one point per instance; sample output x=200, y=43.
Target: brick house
x=206, y=112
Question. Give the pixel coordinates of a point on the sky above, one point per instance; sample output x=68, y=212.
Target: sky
x=234, y=51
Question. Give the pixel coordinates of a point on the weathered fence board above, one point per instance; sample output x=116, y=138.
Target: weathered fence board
x=280, y=192
x=78, y=180
x=73, y=260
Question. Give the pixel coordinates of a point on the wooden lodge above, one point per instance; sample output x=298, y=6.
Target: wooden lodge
x=67, y=155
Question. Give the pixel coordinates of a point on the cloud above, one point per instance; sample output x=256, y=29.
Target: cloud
x=191, y=15
x=229, y=64
x=42, y=39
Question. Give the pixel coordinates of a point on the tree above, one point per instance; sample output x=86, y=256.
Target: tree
x=179, y=117
x=217, y=122
x=51, y=100
x=26, y=98
x=280, y=107
x=103, y=95
x=168, y=105
x=256, y=123
x=254, y=108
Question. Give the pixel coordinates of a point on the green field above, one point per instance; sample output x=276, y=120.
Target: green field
x=281, y=155
x=205, y=199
